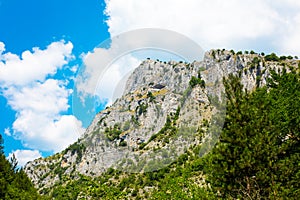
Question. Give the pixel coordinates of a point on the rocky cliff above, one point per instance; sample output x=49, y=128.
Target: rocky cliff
x=166, y=108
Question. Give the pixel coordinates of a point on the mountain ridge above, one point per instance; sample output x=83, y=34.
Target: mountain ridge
x=158, y=96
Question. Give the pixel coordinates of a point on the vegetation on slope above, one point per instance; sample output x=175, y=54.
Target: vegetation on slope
x=14, y=183
x=257, y=156
x=259, y=150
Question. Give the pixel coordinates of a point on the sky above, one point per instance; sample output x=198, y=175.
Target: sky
x=59, y=65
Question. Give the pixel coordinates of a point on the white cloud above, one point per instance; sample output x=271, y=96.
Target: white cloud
x=213, y=23
x=33, y=66
x=24, y=156
x=2, y=48
x=259, y=25
x=7, y=131
x=39, y=100
x=47, y=97
x=129, y=49
x=291, y=41
x=112, y=83
x=216, y=23
x=47, y=133
x=242, y=25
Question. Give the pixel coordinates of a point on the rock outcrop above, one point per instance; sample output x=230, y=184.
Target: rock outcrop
x=166, y=108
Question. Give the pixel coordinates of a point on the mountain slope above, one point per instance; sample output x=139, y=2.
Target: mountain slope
x=166, y=112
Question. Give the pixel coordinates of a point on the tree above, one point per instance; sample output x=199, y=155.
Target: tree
x=13, y=162
x=272, y=57
x=259, y=150
x=14, y=183
x=1, y=145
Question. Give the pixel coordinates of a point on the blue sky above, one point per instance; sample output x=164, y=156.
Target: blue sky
x=45, y=44
x=33, y=23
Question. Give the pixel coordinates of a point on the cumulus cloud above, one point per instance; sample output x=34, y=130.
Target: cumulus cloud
x=129, y=49
x=35, y=65
x=216, y=23
x=39, y=122
x=112, y=83
x=242, y=25
x=211, y=23
x=45, y=133
x=24, y=156
x=40, y=100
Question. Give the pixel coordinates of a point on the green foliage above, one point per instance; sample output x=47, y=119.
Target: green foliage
x=141, y=109
x=285, y=57
x=282, y=58
x=135, y=121
x=151, y=96
x=167, y=130
x=176, y=116
x=175, y=181
x=272, y=57
x=257, y=156
x=256, y=61
x=197, y=81
x=113, y=133
x=123, y=143
x=1, y=145
x=162, y=132
x=77, y=148
x=259, y=149
x=14, y=183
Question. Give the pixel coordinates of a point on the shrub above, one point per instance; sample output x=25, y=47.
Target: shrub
x=197, y=81
x=282, y=57
x=151, y=96
x=123, y=143
x=271, y=57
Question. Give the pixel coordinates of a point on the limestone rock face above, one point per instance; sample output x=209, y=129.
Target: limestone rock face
x=158, y=117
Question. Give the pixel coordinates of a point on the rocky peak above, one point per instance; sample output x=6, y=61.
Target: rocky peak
x=166, y=108
x=158, y=74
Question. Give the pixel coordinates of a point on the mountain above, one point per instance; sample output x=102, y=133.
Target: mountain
x=169, y=112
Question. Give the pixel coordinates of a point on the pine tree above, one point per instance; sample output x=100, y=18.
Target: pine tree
x=14, y=183
x=259, y=151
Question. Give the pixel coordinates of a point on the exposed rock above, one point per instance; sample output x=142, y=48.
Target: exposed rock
x=121, y=136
